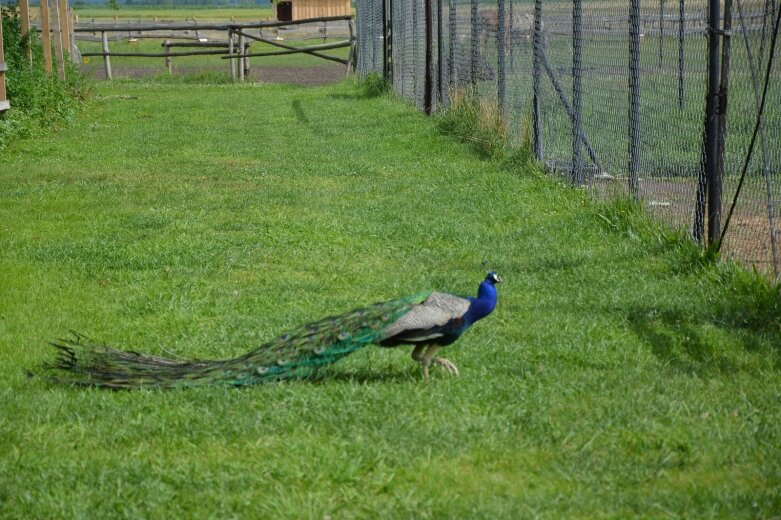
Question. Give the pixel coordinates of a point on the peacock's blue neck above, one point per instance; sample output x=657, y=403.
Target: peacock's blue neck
x=484, y=304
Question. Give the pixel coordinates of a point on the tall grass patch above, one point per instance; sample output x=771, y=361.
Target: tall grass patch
x=476, y=121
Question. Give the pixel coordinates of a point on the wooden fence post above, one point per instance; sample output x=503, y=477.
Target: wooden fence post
x=245, y=60
x=4, y=104
x=230, y=53
x=168, y=59
x=46, y=37
x=24, y=11
x=62, y=6
x=106, y=57
x=58, y=55
x=72, y=36
x=351, y=54
x=241, y=60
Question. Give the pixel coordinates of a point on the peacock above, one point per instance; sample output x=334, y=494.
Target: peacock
x=427, y=320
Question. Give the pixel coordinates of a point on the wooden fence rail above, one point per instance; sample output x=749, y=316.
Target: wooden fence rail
x=229, y=49
x=202, y=26
x=298, y=50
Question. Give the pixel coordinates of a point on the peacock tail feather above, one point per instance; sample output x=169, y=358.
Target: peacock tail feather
x=295, y=354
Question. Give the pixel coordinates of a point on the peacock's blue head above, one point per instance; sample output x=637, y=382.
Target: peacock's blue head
x=493, y=278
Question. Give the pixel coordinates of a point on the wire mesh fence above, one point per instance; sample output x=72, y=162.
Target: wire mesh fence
x=611, y=95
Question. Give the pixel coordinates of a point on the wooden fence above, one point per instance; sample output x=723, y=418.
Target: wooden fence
x=236, y=46
x=4, y=104
x=55, y=26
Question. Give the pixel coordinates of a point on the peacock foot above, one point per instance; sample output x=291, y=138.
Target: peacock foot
x=448, y=365
x=444, y=363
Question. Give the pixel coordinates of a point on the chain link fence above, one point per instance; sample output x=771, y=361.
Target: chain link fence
x=611, y=95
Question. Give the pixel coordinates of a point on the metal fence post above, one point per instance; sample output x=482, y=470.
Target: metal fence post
x=661, y=32
x=723, y=89
x=474, y=35
x=451, y=29
x=415, y=40
x=537, y=44
x=440, y=52
x=427, y=80
x=501, y=47
x=385, y=39
x=713, y=179
x=681, y=59
x=577, y=69
x=634, y=98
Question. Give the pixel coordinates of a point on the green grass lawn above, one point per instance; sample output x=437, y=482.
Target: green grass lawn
x=618, y=377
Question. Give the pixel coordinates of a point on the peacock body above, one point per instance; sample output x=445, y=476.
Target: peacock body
x=428, y=320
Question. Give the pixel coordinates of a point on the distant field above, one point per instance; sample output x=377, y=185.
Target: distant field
x=150, y=13
x=162, y=13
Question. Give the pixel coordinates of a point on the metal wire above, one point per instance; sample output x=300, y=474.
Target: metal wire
x=635, y=123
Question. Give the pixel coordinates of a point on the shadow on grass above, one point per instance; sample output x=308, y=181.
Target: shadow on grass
x=677, y=341
x=701, y=341
x=315, y=127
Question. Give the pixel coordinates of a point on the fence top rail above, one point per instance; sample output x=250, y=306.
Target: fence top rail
x=84, y=27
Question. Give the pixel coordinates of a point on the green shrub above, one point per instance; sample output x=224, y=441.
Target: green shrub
x=39, y=101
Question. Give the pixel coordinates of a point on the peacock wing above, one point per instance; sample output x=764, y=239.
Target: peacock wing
x=435, y=318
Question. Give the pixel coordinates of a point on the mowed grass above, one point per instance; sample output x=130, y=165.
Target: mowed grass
x=617, y=377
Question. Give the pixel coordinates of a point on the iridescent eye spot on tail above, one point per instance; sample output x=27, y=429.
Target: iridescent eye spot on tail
x=262, y=370
x=342, y=336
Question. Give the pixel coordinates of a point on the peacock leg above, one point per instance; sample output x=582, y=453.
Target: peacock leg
x=417, y=352
x=429, y=358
